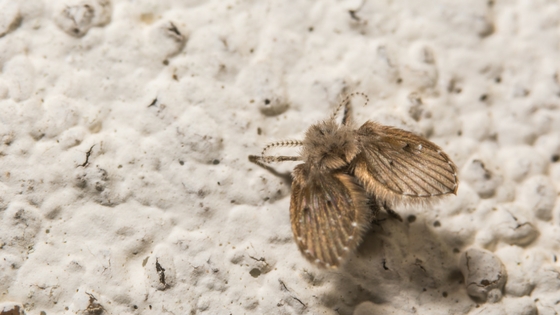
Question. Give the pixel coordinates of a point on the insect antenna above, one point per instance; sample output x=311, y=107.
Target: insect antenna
x=282, y=143
x=347, y=109
x=271, y=158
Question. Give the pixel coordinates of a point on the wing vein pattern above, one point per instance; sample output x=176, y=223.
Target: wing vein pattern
x=394, y=163
x=329, y=214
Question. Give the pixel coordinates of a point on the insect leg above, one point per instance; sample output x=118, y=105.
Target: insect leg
x=391, y=212
x=261, y=160
x=375, y=206
x=282, y=158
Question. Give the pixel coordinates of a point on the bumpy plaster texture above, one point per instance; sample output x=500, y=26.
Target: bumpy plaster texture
x=125, y=128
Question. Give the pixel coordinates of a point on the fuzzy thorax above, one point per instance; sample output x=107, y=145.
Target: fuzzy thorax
x=328, y=145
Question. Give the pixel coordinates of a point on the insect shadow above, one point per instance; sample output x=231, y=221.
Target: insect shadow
x=286, y=177
x=397, y=262
x=349, y=174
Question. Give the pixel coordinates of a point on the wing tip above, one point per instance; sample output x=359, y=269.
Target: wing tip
x=455, y=188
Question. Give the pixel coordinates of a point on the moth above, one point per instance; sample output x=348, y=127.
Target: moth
x=349, y=174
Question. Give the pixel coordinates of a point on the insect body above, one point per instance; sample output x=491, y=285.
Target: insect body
x=348, y=174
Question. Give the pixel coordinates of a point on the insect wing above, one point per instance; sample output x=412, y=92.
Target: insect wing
x=395, y=163
x=328, y=213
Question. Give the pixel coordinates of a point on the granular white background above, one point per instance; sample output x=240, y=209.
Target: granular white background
x=125, y=128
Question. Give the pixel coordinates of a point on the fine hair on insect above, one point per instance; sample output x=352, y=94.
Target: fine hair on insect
x=349, y=174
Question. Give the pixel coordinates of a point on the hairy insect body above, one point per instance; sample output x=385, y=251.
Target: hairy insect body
x=329, y=145
x=348, y=174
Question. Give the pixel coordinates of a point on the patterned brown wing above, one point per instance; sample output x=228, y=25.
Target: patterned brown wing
x=329, y=215
x=394, y=163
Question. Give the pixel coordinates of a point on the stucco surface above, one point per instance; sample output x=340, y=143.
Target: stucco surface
x=125, y=128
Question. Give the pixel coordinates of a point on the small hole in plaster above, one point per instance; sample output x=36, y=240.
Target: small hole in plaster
x=255, y=273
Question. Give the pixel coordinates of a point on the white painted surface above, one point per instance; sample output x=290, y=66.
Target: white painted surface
x=169, y=184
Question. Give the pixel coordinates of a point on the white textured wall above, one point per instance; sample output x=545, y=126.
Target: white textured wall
x=166, y=99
